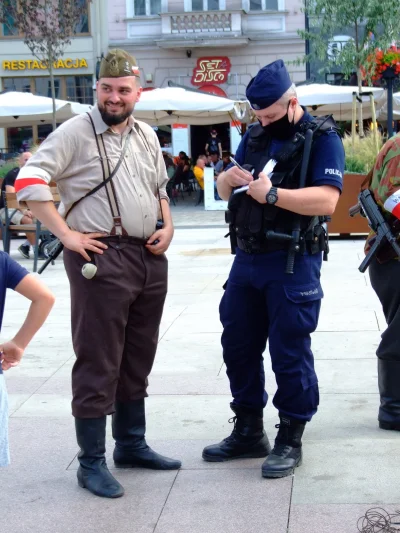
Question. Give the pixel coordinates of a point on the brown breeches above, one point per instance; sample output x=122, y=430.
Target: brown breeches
x=115, y=319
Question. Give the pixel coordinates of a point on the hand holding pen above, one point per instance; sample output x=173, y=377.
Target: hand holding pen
x=269, y=167
x=237, y=176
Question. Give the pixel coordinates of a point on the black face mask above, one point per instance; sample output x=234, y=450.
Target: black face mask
x=281, y=129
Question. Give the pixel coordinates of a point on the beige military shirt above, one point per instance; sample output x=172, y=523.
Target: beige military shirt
x=70, y=157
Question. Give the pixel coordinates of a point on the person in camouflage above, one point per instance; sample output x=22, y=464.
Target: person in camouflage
x=384, y=272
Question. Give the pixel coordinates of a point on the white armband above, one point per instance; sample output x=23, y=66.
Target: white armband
x=392, y=204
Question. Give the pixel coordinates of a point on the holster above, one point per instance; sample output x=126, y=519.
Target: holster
x=316, y=240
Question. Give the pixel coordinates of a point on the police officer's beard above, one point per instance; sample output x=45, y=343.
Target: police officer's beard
x=111, y=119
x=281, y=129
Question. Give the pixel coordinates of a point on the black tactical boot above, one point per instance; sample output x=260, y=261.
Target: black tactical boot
x=248, y=438
x=131, y=449
x=286, y=454
x=93, y=473
x=389, y=390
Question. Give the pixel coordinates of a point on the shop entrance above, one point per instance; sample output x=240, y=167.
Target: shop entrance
x=200, y=134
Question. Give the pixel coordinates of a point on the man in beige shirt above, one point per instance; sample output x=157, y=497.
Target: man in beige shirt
x=117, y=313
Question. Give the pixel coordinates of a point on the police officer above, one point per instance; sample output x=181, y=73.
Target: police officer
x=261, y=301
x=384, y=272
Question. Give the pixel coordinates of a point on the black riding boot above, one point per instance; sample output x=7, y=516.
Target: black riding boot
x=286, y=454
x=389, y=390
x=248, y=438
x=131, y=449
x=93, y=473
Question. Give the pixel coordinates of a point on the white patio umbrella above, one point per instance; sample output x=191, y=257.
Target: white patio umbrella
x=382, y=114
x=19, y=109
x=325, y=99
x=174, y=105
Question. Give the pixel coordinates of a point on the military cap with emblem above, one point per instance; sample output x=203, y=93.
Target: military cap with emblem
x=118, y=64
x=268, y=85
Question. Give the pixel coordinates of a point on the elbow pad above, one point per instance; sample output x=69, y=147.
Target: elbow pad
x=392, y=204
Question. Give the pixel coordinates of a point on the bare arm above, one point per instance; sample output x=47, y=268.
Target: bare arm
x=47, y=213
x=42, y=302
x=311, y=201
x=220, y=150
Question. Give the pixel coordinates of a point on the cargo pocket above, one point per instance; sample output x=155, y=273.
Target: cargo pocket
x=304, y=302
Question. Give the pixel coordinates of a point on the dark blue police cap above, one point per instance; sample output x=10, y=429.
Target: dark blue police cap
x=268, y=85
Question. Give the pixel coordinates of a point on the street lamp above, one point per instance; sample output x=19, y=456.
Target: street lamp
x=389, y=75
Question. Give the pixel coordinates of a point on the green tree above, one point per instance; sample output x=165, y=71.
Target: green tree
x=372, y=24
x=46, y=27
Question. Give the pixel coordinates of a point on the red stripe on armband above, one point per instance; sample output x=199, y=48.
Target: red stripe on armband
x=396, y=211
x=26, y=182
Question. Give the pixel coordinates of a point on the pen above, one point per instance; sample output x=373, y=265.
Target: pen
x=237, y=164
x=245, y=187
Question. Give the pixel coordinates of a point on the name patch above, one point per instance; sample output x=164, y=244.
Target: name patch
x=334, y=172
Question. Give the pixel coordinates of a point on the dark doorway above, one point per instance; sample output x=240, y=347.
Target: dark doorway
x=200, y=134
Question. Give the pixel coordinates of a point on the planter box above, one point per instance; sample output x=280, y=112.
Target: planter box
x=342, y=223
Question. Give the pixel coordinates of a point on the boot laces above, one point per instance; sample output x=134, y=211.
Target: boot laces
x=231, y=437
x=281, y=449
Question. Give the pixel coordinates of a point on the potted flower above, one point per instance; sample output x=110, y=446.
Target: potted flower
x=383, y=64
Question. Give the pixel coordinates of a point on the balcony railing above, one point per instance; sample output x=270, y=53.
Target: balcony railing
x=201, y=23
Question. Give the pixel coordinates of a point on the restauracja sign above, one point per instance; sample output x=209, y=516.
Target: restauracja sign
x=33, y=64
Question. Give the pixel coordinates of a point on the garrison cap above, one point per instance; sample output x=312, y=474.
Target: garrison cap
x=268, y=85
x=118, y=64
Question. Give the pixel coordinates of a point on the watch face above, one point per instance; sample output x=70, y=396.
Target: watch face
x=272, y=198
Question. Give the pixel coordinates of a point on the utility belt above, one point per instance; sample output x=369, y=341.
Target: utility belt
x=312, y=240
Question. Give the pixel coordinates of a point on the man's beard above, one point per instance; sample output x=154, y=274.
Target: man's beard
x=112, y=119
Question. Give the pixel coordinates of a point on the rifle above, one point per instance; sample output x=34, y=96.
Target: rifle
x=368, y=208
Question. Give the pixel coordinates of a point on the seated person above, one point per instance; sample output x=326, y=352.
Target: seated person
x=182, y=155
x=226, y=161
x=169, y=164
x=216, y=164
x=18, y=216
x=198, y=171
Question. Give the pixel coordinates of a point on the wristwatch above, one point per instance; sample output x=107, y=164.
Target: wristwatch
x=272, y=196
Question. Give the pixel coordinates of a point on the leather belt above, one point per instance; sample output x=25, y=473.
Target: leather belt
x=257, y=247
x=123, y=238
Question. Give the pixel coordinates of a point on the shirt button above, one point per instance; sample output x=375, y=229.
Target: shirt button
x=145, y=216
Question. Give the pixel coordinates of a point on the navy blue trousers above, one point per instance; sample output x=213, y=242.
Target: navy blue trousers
x=263, y=303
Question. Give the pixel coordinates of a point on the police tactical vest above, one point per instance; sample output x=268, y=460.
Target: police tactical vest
x=250, y=219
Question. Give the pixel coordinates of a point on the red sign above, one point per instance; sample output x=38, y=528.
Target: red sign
x=211, y=70
x=213, y=89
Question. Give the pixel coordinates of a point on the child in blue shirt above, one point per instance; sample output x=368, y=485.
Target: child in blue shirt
x=14, y=276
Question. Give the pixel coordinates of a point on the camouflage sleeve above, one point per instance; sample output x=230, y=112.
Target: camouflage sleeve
x=385, y=178
x=386, y=175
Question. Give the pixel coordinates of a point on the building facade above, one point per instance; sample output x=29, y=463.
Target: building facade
x=213, y=45
x=75, y=72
